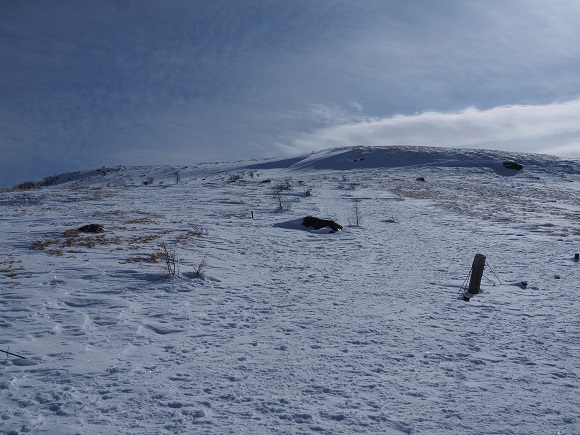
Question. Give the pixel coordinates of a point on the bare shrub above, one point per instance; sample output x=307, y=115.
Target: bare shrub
x=171, y=260
x=27, y=185
x=49, y=181
x=283, y=185
x=281, y=204
x=278, y=189
x=199, y=272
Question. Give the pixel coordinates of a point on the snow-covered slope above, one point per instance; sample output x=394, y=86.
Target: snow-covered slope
x=343, y=159
x=408, y=156
x=289, y=330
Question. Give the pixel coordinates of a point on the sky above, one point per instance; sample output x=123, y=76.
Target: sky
x=86, y=84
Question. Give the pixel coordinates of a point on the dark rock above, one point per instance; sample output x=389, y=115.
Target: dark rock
x=91, y=228
x=316, y=223
x=510, y=164
x=420, y=179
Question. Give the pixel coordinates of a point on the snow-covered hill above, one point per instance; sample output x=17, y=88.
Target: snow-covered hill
x=268, y=327
x=345, y=159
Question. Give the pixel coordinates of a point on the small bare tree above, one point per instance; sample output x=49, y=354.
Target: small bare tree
x=278, y=189
x=356, y=214
x=278, y=196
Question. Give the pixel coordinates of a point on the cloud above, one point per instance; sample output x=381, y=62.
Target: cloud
x=545, y=127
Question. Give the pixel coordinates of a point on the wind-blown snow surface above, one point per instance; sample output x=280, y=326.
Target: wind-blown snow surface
x=295, y=331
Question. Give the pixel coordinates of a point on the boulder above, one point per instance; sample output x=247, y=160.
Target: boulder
x=317, y=223
x=510, y=164
x=91, y=228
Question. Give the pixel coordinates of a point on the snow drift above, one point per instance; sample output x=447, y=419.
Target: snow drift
x=284, y=331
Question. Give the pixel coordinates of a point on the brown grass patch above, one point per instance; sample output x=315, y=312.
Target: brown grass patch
x=142, y=221
x=42, y=244
x=189, y=236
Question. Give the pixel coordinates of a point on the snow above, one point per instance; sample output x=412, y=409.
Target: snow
x=288, y=329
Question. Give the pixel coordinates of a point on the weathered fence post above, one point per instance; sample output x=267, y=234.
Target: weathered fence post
x=476, y=274
x=475, y=277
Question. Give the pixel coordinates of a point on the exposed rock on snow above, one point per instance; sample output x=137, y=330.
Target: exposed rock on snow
x=510, y=164
x=91, y=228
x=317, y=223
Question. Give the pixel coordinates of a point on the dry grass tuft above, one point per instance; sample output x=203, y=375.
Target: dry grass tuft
x=142, y=221
x=189, y=235
x=42, y=244
x=11, y=266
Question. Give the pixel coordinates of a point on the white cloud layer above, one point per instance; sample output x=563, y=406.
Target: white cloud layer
x=540, y=128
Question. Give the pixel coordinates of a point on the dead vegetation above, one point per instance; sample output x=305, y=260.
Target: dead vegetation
x=10, y=267
x=73, y=238
x=171, y=259
x=199, y=272
x=189, y=235
x=127, y=237
x=142, y=221
x=41, y=245
x=520, y=204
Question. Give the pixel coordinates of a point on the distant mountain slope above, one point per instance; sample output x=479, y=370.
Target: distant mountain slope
x=346, y=158
x=403, y=156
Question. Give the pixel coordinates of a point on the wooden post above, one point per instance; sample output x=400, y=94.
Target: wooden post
x=476, y=274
